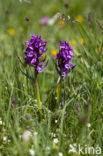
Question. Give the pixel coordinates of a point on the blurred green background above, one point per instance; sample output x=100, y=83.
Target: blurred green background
x=83, y=86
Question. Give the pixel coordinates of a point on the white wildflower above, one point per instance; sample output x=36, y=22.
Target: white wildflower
x=26, y=136
x=48, y=148
x=53, y=134
x=56, y=140
x=1, y=122
x=68, y=17
x=88, y=125
x=35, y=133
x=60, y=154
x=4, y=138
x=56, y=121
x=9, y=140
x=32, y=152
x=20, y=1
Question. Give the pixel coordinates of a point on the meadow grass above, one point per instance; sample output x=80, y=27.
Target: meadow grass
x=78, y=118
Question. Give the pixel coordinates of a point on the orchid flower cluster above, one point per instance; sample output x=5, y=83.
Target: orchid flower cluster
x=34, y=51
x=63, y=59
x=36, y=48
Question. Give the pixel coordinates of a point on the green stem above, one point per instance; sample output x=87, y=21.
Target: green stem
x=58, y=90
x=37, y=92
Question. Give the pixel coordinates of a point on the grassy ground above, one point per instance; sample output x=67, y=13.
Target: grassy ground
x=79, y=116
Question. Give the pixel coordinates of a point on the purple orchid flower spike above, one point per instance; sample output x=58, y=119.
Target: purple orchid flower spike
x=34, y=51
x=63, y=59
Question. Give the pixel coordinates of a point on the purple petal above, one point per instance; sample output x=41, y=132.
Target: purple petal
x=44, y=44
x=64, y=74
x=67, y=66
x=27, y=42
x=33, y=61
x=30, y=54
x=26, y=53
x=41, y=49
x=40, y=64
x=31, y=41
x=71, y=64
x=39, y=69
x=71, y=53
x=75, y=21
x=31, y=47
x=62, y=44
x=33, y=36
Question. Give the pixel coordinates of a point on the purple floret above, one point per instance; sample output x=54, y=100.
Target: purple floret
x=35, y=49
x=63, y=59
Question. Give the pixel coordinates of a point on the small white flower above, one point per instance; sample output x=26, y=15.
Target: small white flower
x=32, y=152
x=20, y=1
x=60, y=154
x=4, y=138
x=55, y=98
x=56, y=121
x=1, y=122
x=26, y=136
x=88, y=125
x=48, y=148
x=9, y=140
x=59, y=15
x=35, y=133
x=53, y=134
x=56, y=140
x=68, y=17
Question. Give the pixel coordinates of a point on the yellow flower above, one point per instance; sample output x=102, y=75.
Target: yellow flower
x=79, y=18
x=0, y=52
x=73, y=42
x=45, y=55
x=82, y=41
x=54, y=52
x=11, y=31
x=61, y=23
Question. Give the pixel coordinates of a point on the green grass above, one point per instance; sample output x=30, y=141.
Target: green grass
x=82, y=90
